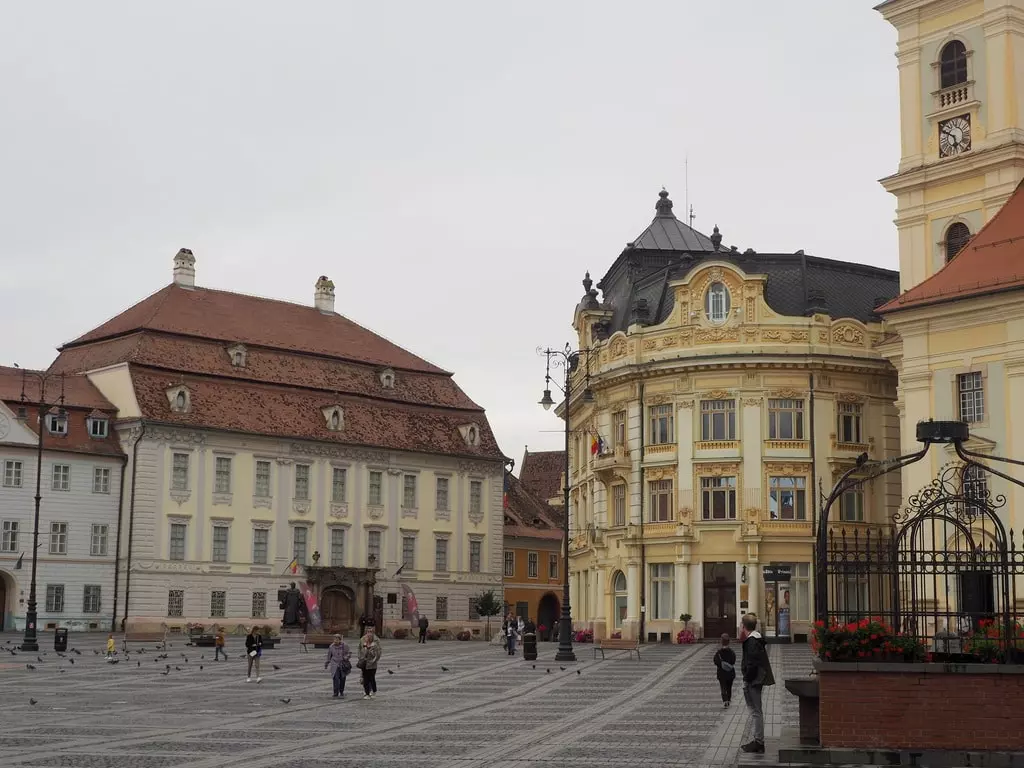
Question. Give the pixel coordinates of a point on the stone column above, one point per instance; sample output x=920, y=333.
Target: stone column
x=600, y=607
x=682, y=593
x=631, y=626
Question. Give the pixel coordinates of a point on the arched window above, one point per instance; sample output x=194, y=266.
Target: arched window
x=716, y=303
x=952, y=64
x=956, y=238
x=621, y=597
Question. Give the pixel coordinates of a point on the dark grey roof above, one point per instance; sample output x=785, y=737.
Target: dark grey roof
x=636, y=287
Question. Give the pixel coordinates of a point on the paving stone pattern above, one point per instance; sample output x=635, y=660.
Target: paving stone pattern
x=488, y=709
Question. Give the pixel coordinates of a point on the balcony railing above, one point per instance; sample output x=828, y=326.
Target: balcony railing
x=718, y=445
x=954, y=96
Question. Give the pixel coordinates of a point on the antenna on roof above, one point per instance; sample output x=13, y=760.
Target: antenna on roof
x=689, y=208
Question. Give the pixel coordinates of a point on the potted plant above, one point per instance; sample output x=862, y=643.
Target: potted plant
x=685, y=637
x=464, y=635
x=685, y=618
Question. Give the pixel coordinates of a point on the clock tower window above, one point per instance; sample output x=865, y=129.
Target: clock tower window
x=952, y=64
x=956, y=238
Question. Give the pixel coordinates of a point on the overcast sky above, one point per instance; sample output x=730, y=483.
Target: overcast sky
x=454, y=167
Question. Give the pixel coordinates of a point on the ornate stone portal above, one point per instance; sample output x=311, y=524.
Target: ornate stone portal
x=345, y=595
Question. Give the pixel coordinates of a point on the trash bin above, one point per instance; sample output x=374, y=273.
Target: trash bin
x=529, y=646
x=60, y=640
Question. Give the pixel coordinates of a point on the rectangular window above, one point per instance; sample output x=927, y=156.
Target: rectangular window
x=376, y=495
x=338, y=547
x=661, y=501
x=301, y=482
x=474, y=612
x=218, y=603
x=179, y=472
x=785, y=419
x=220, y=543
x=662, y=425
x=787, y=498
x=98, y=540
x=58, y=538
x=441, y=609
x=552, y=566
x=532, y=565
x=373, y=546
x=662, y=585
x=971, y=388
x=619, y=504
x=441, y=555
x=849, y=426
x=58, y=425
x=175, y=602
x=851, y=506
x=718, y=498
x=54, y=598
x=222, y=475
x=9, y=541
x=802, y=592
x=441, y=502
x=409, y=492
x=91, y=599
x=510, y=563
x=619, y=429
x=97, y=427
x=300, y=536
x=100, y=480
x=61, y=477
x=259, y=605
x=177, y=550
x=262, y=489
x=717, y=420
x=260, y=537
x=409, y=552
x=975, y=483
x=475, y=551
x=339, y=485
x=476, y=497
x=12, y=474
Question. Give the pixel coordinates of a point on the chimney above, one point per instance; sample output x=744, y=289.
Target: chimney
x=185, y=268
x=323, y=296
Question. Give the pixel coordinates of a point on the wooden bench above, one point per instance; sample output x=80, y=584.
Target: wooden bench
x=317, y=641
x=614, y=644
x=133, y=636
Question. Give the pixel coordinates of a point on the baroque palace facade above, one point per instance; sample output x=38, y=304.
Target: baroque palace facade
x=726, y=387
x=259, y=433
x=957, y=330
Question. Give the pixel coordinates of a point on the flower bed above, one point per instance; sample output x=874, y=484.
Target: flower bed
x=994, y=643
x=464, y=635
x=865, y=640
x=400, y=634
x=685, y=637
x=433, y=634
x=584, y=636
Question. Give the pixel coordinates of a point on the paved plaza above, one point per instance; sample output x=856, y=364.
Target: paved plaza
x=487, y=709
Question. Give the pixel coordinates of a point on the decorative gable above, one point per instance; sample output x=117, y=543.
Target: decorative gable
x=471, y=434
x=238, y=355
x=179, y=398
x=334, y=416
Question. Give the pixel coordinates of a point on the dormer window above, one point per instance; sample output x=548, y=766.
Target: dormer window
x=99, y=425
x=716, y=303
x=334, y=415
x=57, y=421
x=238, y=355
x=180, y=399
x=387, y=378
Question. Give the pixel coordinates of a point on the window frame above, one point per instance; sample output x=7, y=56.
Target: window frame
x=371, y=547
x=441, y=555
x=222, y=474
x=953, y=69
x=295, y=543
x=101, y=480
x=408, y=551
x=301, y=486
x=220, y=529
x=92, y=598
x=180, y=471
x=175, y=603
x=442, y=498
x=259, y=491
x=53, y=592
x=778, y=487
x=781, y=409
x=99, y=537
x=619, y=434
x=553, y=569
x=661, y=420
x=14, y=473
x=98, y=428
x=339, y=485
x=660, y=581
x=619, y=504
x=970, y=391
x=337, y=546
x=661, y=493
x=9, y=531
x=851, y=415
x=476, y=497
x=171, y=543
x=718, y=485
x=221, y=596
x=717, y=302
x=258, y=596
x=375, y=488
x=60, y=478
x=409, y=491
x=257, y=546
x=476, y=555
x=441, y=608
x=951, y=246
x=509, y=563
x=860, y=513
x=58, y=545
x=712, y=412
x=533, y=565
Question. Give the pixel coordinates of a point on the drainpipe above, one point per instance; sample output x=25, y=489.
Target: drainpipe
x=131, y=524
x=117, y=546
x=813, y=490
x=643, y=546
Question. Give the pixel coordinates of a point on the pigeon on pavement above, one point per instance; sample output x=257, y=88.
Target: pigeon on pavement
x=445, y=669
x=32, y=702
x=285, y=701
x=30, y=666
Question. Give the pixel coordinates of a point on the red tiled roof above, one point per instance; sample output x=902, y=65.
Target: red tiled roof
x=235, y=317
x=992, y=261
x=81, y=400
x=199, y=356
x=528, y=516
x=541, y=473
x=291, y=412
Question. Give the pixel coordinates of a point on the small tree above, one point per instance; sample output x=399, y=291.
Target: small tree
x=487, y=605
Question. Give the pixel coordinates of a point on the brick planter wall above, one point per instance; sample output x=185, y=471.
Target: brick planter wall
x=922, y=706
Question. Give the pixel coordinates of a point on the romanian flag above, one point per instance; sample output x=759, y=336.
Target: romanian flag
x=292, y=567
x=597, y=445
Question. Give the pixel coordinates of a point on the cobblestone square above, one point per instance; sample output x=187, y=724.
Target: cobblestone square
x=486, y=709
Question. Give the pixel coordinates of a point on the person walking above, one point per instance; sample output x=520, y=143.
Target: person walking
x=339, y=664
x=369, y=656
x=757, y=673
x=254, y=651
x=725, y=663
x=513, y=628
x=218, y=646
x=423, y=629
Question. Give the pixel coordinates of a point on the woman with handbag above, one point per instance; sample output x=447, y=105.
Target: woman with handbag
x=338, y=662
x=253, y=650
x=369, y=656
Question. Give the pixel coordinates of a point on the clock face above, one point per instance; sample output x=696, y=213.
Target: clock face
x=5, y=426
x=954, y=136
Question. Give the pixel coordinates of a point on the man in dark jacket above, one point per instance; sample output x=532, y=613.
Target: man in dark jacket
x=423, y=629
x=757, y=673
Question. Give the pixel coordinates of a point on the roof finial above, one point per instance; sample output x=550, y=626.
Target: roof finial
x=587, y=282
x=716, y=238
x=664, y=205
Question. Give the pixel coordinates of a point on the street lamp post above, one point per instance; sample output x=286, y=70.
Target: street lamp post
x=30, y=641
x=568, y=360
